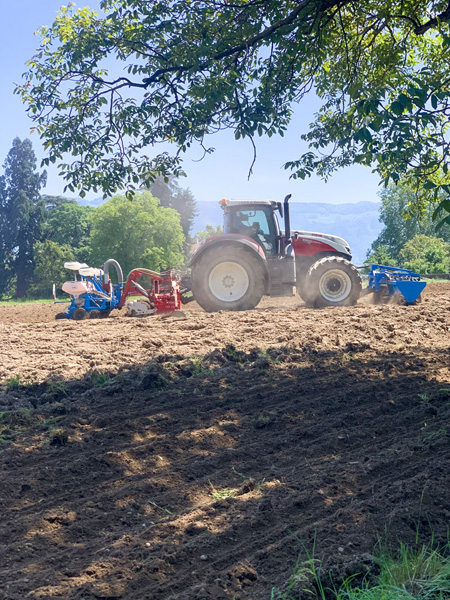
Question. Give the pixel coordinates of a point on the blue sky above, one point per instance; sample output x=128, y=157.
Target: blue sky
x=224, y=174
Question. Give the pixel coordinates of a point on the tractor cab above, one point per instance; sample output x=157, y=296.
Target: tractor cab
x=255, y=219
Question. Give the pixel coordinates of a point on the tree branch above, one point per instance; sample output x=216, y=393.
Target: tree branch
x=250, y=42
x=444, y=17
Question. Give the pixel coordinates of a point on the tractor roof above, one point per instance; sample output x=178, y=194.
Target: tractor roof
x=224, y=203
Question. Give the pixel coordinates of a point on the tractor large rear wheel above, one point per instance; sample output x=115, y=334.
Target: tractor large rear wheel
x=228, y=279
x=333, y=281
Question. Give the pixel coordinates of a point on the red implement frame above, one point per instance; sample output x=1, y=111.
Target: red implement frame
x=164, y=294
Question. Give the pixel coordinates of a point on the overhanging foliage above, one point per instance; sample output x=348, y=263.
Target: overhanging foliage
x=109, y=89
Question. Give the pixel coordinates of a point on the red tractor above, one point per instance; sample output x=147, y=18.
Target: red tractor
x=254, y=258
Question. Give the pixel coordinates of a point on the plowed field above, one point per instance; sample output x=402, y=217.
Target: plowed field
x=196, y=458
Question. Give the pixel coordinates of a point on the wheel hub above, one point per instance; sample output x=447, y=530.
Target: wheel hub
x=228, y=281
x=335, y=285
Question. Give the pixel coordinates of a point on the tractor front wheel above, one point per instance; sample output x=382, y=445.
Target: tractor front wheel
x=228, y=279
x=333, y=281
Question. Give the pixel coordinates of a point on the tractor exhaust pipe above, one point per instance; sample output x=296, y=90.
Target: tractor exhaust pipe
x=287, y=221
x=289, y=269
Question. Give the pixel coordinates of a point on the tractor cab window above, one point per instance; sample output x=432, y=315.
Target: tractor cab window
x=258, y=224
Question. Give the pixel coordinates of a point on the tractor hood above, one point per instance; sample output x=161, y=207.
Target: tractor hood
x=338, y=243
x=332, y=238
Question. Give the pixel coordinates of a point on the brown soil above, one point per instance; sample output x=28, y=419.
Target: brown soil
x=196, y=458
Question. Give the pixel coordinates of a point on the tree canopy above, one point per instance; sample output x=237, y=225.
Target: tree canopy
x=53, y=202
x=137, y=234
x=21, y=216
x=209, y=231
x=69, y=225
x=108, y=89
x=49, y=258
x=425, y=254
x=400, y=225
x=171, y=195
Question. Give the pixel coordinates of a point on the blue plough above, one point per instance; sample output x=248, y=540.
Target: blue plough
x=394, y=284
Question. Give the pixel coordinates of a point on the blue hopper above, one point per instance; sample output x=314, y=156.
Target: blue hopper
x=394, y=284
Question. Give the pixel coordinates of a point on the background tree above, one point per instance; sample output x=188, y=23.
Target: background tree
x=21, y=216
x=6, y=251
x=401, y=225
x=425, y=254
x=171, y=195
x=189, y=68
x=69, y=224
x=52, y=202
x=49, y=267
x=380, y=256
x=137, y=234
x=209, y=231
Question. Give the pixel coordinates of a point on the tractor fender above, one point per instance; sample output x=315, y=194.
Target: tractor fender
x=303, y=263
x=226, y=240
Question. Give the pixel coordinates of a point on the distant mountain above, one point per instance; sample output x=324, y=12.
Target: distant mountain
x=94, y=203
x=357, y=223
